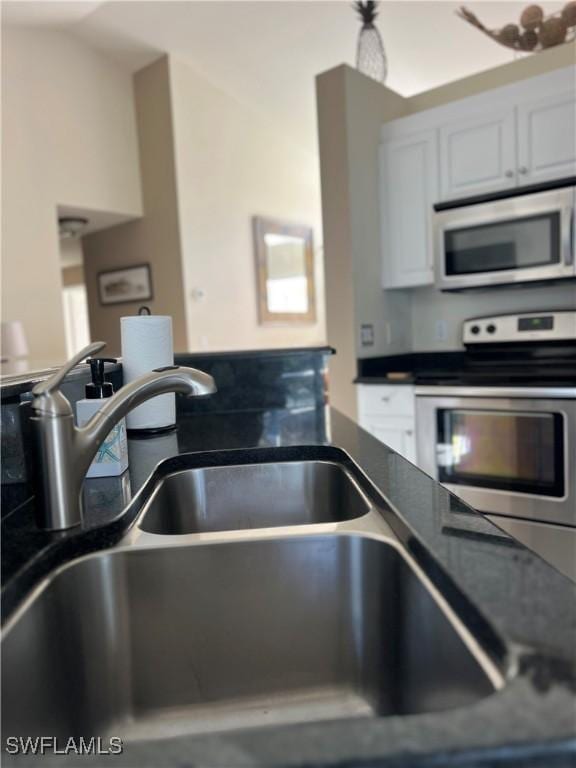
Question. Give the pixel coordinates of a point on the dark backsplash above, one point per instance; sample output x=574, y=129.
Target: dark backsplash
x=264, y=398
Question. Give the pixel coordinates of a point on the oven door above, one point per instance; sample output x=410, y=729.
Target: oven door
x=513, y=240
x=502, y=455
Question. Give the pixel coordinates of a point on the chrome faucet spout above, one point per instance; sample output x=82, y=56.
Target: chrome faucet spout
x=64, y=451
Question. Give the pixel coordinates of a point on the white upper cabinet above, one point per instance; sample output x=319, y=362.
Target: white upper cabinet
x=478, y=154
x=547, y=138
x=408, y=190
x=520, y=134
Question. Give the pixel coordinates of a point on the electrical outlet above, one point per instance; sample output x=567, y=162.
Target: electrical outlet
x=441, y=330
x=367, y=335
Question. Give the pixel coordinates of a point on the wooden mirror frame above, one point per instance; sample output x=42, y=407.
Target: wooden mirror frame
x=263, y=226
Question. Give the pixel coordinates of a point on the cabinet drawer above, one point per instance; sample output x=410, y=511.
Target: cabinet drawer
x=386, y=400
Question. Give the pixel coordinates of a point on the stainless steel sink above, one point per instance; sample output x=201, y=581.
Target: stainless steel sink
x=245, y=496
x=152, y=642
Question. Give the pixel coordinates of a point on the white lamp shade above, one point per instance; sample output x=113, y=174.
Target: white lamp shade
x=13, y=340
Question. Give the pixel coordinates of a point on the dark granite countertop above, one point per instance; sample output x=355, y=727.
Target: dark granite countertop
x=516, y=604
x=415, y=368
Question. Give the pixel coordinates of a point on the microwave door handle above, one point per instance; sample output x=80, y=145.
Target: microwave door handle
x=572, y=235
x=568, y=236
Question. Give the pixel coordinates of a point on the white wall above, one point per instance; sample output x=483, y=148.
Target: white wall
x=69, y=138
x=429, y=306
x=232, y=164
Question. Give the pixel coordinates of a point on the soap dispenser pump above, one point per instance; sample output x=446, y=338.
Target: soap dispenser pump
x=112, y=456
x=99, y=388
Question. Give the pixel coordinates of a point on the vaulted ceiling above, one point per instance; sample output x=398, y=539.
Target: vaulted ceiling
x=267, y=53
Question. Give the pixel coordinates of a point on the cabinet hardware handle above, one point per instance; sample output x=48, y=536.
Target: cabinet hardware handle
x=509, y=174
x=523, y=169
x=409, y=432
x=385, y=399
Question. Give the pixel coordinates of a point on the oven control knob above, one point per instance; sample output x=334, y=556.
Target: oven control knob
x=475, y=330
x=491, y=328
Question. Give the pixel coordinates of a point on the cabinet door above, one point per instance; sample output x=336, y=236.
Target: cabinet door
x=408, y=189
x=478, y=154
x=547, y=138
x=396, y=433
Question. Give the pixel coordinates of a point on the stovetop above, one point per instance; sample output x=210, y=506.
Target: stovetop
x=527, y=364
x=526, y=349
x=509, y=378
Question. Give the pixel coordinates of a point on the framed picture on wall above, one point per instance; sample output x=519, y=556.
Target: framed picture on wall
x=284, y=272
x=122, y=286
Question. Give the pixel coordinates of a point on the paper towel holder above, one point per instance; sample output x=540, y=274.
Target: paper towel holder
x=146, y=342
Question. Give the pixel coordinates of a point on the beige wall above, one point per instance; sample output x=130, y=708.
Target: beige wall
x=69, y=137
x=71, y=252
x=530, y=66
x=73, y=275
x=368, y=105
x=154, y=239
x=339, y=281
x=233, y=163
x=351, y=109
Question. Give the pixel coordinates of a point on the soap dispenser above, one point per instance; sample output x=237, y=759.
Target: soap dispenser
x=112, y=456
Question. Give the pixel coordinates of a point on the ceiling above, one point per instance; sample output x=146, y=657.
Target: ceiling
x=267, y=53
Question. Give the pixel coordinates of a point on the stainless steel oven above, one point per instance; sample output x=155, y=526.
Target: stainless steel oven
x=516, y=238
x=506, y=451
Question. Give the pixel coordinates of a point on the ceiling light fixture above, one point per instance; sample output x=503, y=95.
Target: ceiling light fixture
x=71, y=226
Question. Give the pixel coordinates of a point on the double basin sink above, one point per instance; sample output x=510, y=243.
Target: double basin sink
x=244, y=595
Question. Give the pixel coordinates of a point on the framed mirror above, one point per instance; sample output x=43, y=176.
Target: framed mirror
x=285, y=272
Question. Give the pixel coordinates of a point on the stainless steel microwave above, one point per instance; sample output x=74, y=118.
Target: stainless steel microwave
x=523, y=238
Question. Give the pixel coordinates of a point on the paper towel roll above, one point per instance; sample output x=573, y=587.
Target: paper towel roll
x=147, y=344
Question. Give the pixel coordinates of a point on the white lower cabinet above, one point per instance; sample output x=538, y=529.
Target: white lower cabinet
x=396, y=433
x=387, y=412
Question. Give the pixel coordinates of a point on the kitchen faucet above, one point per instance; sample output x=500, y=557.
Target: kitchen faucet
x=64, y=451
